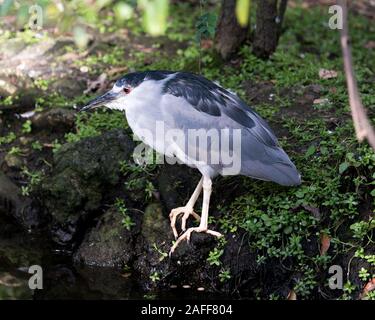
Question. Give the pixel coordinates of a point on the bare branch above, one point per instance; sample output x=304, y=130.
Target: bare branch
x=362, y=125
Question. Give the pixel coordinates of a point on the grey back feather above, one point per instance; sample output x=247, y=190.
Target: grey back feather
x=210, y=98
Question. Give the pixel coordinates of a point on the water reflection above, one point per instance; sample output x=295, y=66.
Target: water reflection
x=63, y=280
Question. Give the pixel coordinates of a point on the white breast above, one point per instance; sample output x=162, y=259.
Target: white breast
x=142, y=109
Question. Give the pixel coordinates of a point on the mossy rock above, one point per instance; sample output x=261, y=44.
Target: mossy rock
x=155, y=226
x=84, y=173
x=19, y=208
x=109, y=243
x=54, y=120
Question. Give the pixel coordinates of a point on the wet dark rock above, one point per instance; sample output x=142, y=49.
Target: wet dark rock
x=176, y=183
x=18, y=253
x=240, y=259
x=84, y=173
x=195, y=251
x=68, y=87
x=54, y=120
x=62, y=281
x=188, y=263
x=155, y=225
x=191, y=266
x=22, y=209
x=144, y=249
x=109, y=243
x=152, y=245
x=107, y=283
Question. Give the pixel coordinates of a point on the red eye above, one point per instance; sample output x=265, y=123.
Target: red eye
x=127, y=90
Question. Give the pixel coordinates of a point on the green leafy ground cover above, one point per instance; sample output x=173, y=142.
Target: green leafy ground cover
x=327, y=220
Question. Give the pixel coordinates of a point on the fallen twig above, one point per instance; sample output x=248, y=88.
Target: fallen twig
x=362, y=125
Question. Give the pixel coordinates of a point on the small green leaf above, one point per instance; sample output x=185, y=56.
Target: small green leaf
x=243, y=12
x=288, y=230
x=343, y=166
x=324, y=150
x=266, y=219
x=310, y=151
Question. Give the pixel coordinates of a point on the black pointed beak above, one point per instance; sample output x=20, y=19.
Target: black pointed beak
x=99, y=101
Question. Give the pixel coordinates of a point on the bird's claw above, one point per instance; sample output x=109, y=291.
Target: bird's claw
x=187, y=211
x=187, y=234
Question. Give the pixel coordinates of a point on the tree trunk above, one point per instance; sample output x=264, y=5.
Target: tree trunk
x=229, y=34
x=268, y=26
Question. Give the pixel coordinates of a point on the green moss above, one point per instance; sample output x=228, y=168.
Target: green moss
x=9, y=138
x=93, y=124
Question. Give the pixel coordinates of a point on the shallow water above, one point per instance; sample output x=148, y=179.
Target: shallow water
x=63, y=280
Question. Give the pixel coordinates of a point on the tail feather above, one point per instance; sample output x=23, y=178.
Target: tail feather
x=281, y=170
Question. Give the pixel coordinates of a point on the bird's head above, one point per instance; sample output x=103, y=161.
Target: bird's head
x=117, y=97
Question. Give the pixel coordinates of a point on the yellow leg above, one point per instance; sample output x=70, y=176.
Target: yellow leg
x=187, y=210
x=203, y=226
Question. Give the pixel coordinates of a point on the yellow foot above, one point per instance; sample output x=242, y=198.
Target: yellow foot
x=187, y=234
x=187, y=211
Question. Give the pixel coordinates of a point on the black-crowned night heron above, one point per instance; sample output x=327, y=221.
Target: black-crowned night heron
x=204, y=126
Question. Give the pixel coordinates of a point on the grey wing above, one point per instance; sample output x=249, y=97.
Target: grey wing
x=201, y=104
x=210, y=98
